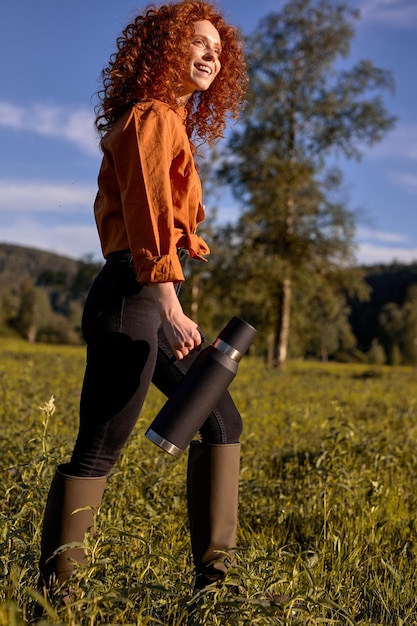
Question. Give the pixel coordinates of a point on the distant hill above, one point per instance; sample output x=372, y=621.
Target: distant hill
x=19, y=264
x=21, y=267
x=42, y=293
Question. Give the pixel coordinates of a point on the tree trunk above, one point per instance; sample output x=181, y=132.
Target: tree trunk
x=32, y=333
x=283, y=327
x=195, y=294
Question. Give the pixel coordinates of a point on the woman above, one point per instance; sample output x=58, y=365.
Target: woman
x=178, y=71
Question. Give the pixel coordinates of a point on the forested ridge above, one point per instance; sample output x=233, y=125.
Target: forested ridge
x=18, y=264
x=389, y=317
x=42, y=295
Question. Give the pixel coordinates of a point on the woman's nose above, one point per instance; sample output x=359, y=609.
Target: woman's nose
x=209, y=54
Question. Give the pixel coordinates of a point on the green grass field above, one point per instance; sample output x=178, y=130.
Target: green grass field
x=327, y=508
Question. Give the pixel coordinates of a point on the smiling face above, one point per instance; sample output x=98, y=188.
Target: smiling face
x=204, y=63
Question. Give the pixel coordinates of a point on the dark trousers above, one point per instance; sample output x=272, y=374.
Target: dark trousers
x=126, y=351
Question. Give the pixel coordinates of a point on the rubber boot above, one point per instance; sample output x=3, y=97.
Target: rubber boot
x=212, y=495
x=63, y=523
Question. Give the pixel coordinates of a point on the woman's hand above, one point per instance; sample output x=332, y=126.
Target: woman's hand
x=181, y=332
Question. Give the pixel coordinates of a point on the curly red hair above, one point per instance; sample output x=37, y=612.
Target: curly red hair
x=150, y=60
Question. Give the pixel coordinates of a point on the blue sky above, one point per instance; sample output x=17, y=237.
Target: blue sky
x=51, y=55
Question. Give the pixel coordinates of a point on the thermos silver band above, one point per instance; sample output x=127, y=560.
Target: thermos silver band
x=163, y=443
x=227, y=349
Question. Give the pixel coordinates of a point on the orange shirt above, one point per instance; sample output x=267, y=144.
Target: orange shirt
x=149, y=198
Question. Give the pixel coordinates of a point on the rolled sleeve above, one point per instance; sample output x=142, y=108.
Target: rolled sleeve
x=162, y=269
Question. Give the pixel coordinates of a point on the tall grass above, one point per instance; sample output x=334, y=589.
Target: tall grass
x=328, y=501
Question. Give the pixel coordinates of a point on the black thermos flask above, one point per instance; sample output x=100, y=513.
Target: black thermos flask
x=199, y=391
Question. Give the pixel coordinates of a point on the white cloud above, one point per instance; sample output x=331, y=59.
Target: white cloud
x=399, y=13
x=375, y=235
x=408, y=182
x=65, y=123
x=28, y=196
x=399, y=143
x=72, y=241
x=375, y=246
x=368, y=254
x=23, y=201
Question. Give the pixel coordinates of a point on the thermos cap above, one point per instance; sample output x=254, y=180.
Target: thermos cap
x=238, y=335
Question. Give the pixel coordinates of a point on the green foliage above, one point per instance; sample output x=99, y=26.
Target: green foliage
x=409, y=331
x=33, y=313
x=328, y=497
x=42, y=294
x=390, y=314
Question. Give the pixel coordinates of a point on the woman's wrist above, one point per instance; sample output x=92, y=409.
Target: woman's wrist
x=165, y=298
